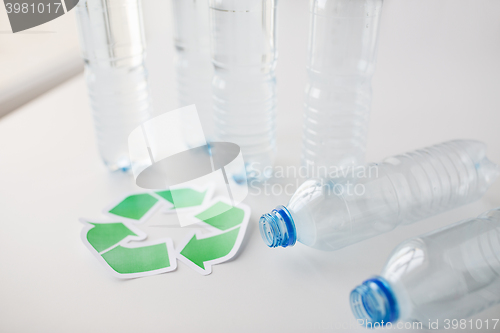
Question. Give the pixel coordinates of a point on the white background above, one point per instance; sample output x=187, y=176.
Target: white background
x=35, y=60
x=437, y=79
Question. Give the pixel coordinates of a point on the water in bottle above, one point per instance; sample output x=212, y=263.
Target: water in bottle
x=331, y=214
x=437, y=279
x=341, y=62
x=193, y=62
x=113, y=48
x=244, y=55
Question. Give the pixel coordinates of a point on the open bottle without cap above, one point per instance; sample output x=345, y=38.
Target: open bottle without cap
x=328, y=214
x=450, y=273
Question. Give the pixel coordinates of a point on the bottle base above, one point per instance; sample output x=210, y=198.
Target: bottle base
x=122, y=165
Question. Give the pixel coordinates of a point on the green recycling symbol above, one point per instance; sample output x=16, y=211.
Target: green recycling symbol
x=122, y=247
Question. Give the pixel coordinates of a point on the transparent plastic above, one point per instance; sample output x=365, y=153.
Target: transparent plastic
x=341, y=62
x=193, y=63
x=451, y=273
x=329, y=215
x=113, y=48
x=244, y=54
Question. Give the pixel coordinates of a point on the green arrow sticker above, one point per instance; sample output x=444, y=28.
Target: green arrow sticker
x=186, y=197
x=121, y=246
x=127, y=260
x=202, y=251
x=105, y=235
x=135, y=207
x=111, y=243
x=222, y=216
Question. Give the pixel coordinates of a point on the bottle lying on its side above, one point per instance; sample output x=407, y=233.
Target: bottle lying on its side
x=330, y=214
x=445, y=275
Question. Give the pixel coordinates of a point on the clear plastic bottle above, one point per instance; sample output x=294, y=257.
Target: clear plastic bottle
x=244, y=54
x=193, y=62
x=334, y=213
x=437, y=279
x=113, y=48
x=341, y=62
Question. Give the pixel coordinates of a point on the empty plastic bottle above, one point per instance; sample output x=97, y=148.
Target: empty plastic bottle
x=331, y=214
x=244, y=54
x=113, y=48
x=437, y=279
x=193, y=62
x=341, y=62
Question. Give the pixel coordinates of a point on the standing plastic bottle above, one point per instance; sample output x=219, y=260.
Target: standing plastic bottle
x=193, y=62
x=401, y=190
x=437, y=279
x=341, y=62
x=244, y=54
x=113, y=48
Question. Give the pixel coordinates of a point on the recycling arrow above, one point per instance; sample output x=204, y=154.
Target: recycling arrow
x=130, y=260
x=185, y=197
x=134, y=207
x=122, y=247
x=201, y=252
x=105, y=235
x=222, y=216
x=113, y=244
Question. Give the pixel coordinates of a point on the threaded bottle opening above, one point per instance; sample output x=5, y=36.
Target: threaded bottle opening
x=278, y=228
x=374, y=303
x=269, y=231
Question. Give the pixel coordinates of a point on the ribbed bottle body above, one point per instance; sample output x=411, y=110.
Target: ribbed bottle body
x=341, y=61
x=113, y=48
x=193, y=63
x=451, y=273
x=403, y=189
x=244, y=55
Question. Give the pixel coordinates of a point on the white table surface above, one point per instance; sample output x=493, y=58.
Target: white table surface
x=437, y=79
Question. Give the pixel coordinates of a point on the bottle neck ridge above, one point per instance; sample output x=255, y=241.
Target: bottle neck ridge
x=374, y=302
x=278, y=228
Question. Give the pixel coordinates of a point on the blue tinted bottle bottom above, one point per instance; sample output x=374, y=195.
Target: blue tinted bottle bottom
x=374, y=303
x=122, y=165
x=278, y=228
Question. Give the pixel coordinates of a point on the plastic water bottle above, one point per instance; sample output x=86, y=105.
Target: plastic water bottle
x=193, y=62
x=334, y=213
x=341, y=62
x=113, y=48
x=437, y=279
x=244, y=55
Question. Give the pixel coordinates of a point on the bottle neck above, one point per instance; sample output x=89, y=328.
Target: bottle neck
x=278, y=228
x=374, y=302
